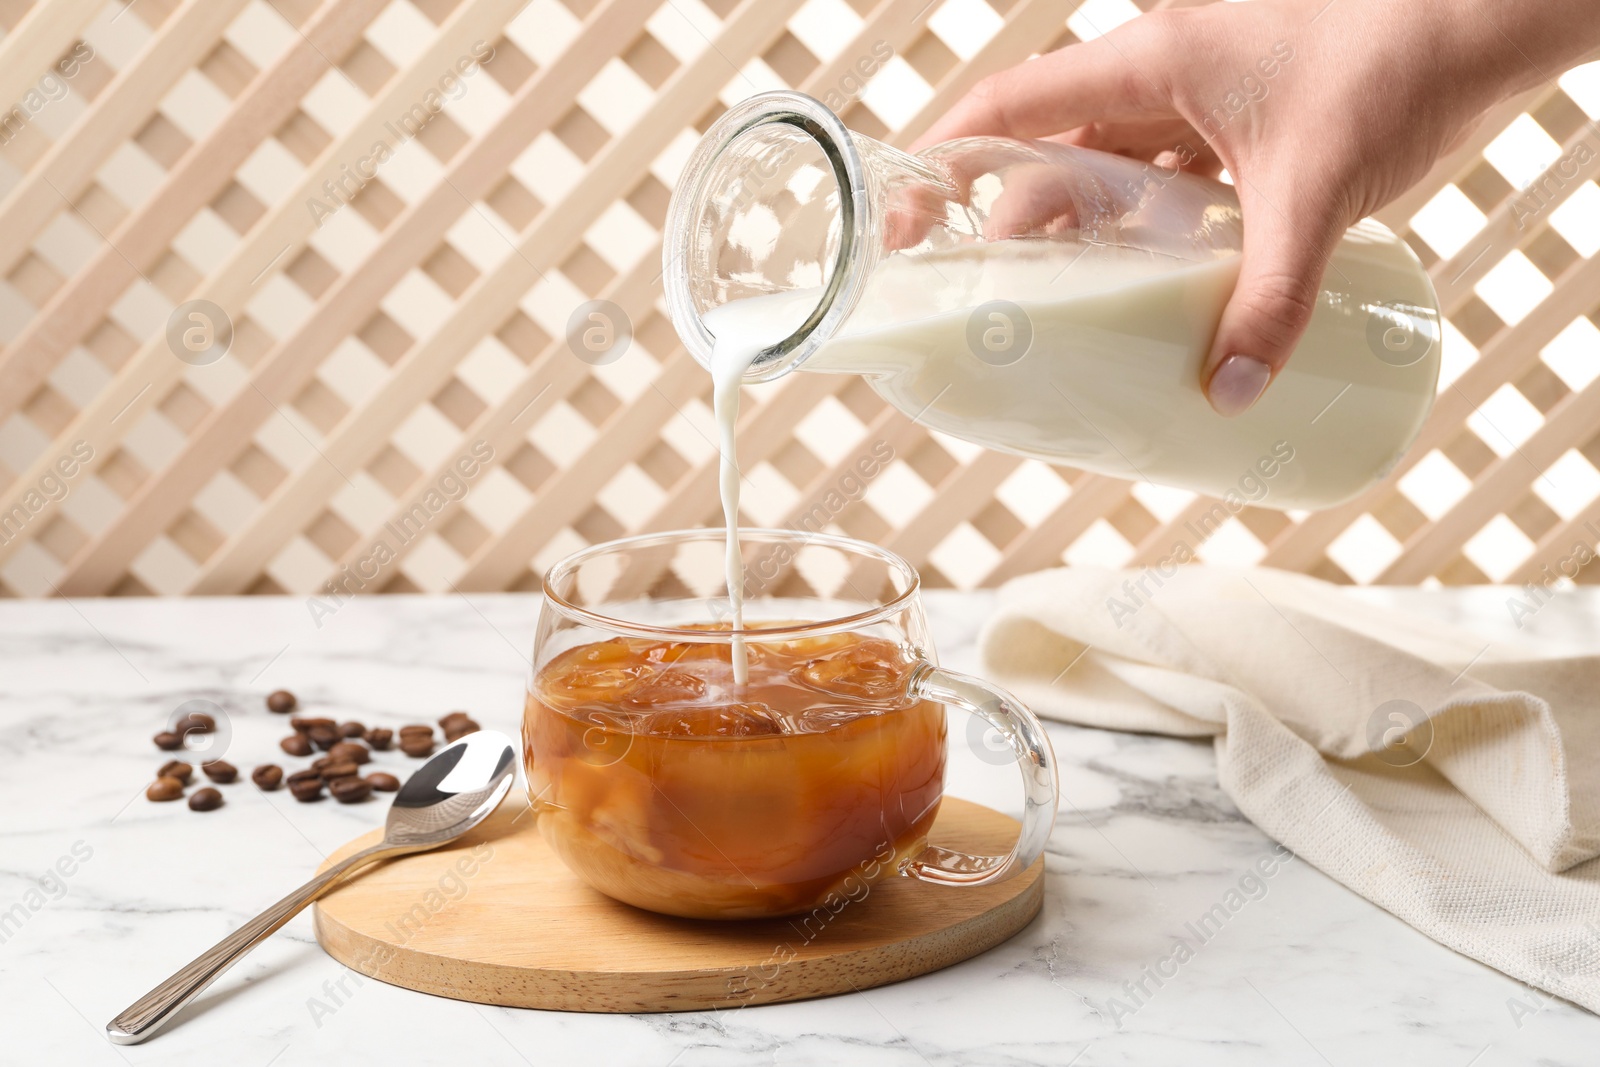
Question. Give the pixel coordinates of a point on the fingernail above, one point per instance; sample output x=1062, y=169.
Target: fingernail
x=1238, y=383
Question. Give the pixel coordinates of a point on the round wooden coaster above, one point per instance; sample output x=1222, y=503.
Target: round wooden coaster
x=497, y=918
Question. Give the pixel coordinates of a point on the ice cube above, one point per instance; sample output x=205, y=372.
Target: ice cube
x=868, y=668
x=752, y=719
x=592, y=684
x=607, y=738
x=667, y=687
x=820, y=720
x=689, y=652
x=604, y=653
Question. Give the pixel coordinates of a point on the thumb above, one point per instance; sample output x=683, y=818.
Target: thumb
x=1288, y=240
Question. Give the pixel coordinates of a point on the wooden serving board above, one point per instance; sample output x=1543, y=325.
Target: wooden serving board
x=497, y=918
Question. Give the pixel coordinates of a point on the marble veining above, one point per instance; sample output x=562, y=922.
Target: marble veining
x=102, y=893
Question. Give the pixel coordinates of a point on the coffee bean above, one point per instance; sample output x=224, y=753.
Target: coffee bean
x=302, y=776
x=349, y=790
x=164, y=788
x=220, y=771
x=305, y=725
x=306, y=789
x=452, y=717
x=323, y=764
x=296, y=745
x=352, y=729
x=324, y=737
x=460, y=728
x=380, y=738
x=198, y=723
x=282, y=701
x=353, y=751
x=331, y=768
x=206, y=799
x=416, y=729
x=267, y=777
x=168, y=742
x=383, y=782
x=176, y=768
x=416, y=746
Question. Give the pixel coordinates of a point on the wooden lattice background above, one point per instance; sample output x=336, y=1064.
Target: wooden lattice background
x=163, y=151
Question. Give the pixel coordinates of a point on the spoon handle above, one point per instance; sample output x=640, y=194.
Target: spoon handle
x=156, y=1008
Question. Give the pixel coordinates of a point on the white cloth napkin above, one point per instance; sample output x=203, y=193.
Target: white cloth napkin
x=1483, y=836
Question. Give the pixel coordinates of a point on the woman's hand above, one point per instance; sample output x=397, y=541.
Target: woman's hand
x=1321, y=112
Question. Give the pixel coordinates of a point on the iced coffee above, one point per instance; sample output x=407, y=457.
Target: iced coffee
x=670, y=787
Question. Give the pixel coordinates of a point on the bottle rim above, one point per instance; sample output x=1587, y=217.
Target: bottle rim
x=844, y=284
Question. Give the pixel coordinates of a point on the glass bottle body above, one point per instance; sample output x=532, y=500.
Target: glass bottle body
x=1048, y=301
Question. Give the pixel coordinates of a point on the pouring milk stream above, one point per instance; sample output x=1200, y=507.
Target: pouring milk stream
x=1074, y=337
x=743, y=329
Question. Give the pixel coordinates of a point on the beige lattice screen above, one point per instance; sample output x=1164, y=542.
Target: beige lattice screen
x=398, y=317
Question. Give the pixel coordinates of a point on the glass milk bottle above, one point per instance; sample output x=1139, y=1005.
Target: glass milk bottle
x=1045, y=300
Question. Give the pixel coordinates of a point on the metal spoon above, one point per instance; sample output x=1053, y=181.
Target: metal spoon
x=447, y=796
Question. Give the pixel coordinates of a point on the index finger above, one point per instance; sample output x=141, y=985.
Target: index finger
x=1109, y=79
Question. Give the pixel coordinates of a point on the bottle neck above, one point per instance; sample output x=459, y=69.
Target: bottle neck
x=739, y=177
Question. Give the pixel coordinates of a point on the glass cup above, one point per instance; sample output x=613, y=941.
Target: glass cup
x=662, y=783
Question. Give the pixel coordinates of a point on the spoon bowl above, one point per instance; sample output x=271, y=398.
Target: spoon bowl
x=453, y=792
x=447, y=796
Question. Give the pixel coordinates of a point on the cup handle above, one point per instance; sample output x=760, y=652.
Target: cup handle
x=1035, y=758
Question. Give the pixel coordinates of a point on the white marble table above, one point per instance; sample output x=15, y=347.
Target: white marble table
x=1308, y=973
